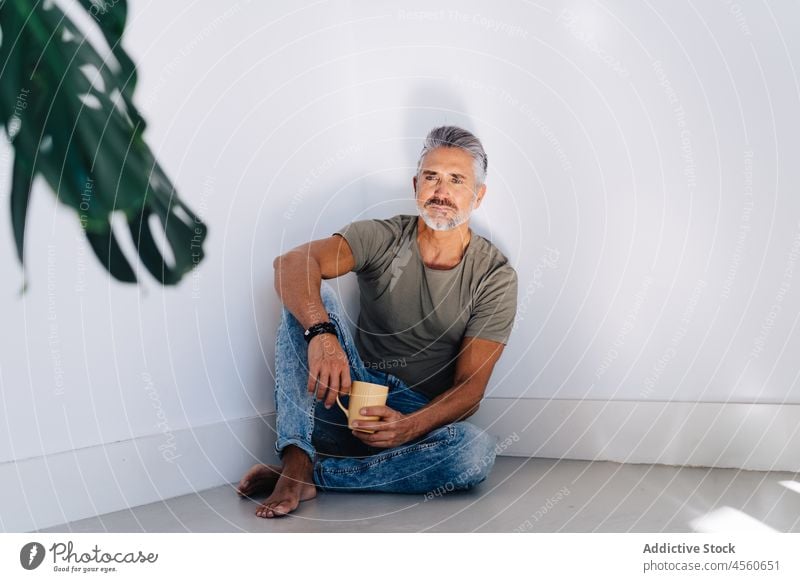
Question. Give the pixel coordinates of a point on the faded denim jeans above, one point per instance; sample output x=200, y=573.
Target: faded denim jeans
x=451, y=457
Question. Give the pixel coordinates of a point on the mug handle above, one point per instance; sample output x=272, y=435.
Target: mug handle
x=339, y=402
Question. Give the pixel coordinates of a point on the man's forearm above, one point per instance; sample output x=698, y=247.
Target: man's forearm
x=453, y=405
x=297, y=282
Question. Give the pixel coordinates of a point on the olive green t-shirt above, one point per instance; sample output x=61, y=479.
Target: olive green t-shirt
x=413, y=318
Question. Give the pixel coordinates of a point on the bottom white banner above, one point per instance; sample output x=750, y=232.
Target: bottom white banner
x=356, y=557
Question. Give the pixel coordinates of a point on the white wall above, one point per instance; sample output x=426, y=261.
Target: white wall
x=641, y=180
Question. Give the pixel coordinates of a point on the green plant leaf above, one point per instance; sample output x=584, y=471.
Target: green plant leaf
x=108, y=251
x=21, y=181
x=80, y=130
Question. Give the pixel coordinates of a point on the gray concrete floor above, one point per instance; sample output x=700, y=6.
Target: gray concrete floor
x=536, y=495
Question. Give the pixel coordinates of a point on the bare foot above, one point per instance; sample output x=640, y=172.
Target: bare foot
x=295, y=484
x=286, y=497
x=259, y=478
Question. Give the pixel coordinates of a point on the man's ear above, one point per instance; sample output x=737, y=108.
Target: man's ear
x=481, y=193
x=414, y=184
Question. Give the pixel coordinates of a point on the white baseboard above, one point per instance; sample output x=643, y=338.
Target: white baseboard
x=44, y=491
x=50, y=490
x=763, y=437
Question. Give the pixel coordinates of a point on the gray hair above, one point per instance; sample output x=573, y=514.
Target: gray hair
x=450, y=136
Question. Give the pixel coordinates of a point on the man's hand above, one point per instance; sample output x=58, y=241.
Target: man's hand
x=328, y=368
x=392, y=429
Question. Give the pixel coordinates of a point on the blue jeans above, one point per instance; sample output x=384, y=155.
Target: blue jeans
x=453, y=456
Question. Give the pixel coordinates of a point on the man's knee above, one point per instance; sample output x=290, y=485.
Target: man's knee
x=474, y=455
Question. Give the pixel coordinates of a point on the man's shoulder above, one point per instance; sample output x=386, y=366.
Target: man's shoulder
x=495, y=278
x=375, y=241
x=491, y=257
x=393, y=225
x=399, y=222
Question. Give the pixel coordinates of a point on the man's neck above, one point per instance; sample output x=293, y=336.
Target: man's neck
x=442, y=249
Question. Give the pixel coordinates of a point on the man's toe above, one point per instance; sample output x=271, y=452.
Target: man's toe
x=280, y=509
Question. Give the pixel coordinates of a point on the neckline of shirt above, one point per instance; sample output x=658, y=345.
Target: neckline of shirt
x=414, y=232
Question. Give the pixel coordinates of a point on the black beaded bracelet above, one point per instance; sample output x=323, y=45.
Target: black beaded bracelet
x=319, y=328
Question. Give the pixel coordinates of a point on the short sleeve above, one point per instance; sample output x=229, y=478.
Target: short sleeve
x=495, y=306
x=369, y=240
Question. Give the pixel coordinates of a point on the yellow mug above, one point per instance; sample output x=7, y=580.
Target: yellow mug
x=363, y=394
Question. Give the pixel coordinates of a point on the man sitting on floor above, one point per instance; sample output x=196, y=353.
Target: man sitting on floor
x=437, y=307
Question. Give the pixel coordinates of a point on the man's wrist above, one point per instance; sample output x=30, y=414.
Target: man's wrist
x=314, y=313
x=319, y=329
x=420, y=422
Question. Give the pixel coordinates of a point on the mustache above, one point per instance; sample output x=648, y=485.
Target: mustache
x=438, y=202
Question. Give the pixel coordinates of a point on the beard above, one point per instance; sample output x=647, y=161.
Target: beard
x=447, y=219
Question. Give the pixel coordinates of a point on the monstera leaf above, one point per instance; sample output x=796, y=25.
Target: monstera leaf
x=69, y=115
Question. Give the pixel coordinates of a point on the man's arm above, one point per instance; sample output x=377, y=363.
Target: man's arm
x=299, y=274
x=473, y=369
x=298, y=279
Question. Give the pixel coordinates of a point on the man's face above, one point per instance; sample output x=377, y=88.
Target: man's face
x=445, y=188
